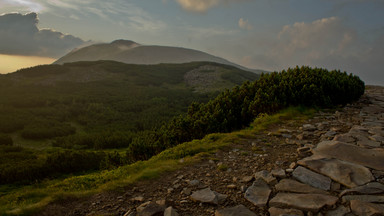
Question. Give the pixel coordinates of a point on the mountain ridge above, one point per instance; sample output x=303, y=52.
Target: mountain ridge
x=130, y=52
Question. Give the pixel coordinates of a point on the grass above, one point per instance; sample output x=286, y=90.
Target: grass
x=25, y=200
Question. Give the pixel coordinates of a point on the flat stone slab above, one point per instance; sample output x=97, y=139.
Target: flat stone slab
x=305, y=202
x=290, y=185
x=258, y=193
x=340, y=211
x=284, y=212
x=346, y=173
x=372, y=158
x=149, y=209
x=363, y=198
x=366, y=209
x=239, y=210
x=208, y=196
x=311, y=178
x=266, y=176
x=370, y=188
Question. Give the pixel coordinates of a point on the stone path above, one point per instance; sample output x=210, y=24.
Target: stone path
x=330, y=165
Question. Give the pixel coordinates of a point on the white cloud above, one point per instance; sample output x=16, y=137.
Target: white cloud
x=198, y=5
x=19, y=35
x=201, y=6
x=245, y=24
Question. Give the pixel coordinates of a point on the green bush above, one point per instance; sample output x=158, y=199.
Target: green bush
x=237, y=108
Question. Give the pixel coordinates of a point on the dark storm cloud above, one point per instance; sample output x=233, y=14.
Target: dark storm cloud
x=19, y=35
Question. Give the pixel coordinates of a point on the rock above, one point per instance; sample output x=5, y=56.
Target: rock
x=258, y=193
x=279, y=173
x=348, y=174
x=239, y=210
x=330, y=133
x=340, y=211
x=170, y=212
x=130, y=213
x=370, y=188
x=266, y=176
x=138, y=199
x=369, y=144
x=309, y=127
x=373, y=158
x=304, y=151
x=231, y=186
x=305, y=202
x=376, y=138
x=363, y=198
x=289, y=185
x=247, y=179
x=149, y=209
x=187, y=191
x=208, y=196
x=284, y=212
x=194, y=183
x=366, y=209
x=347, y=138
x=311, y=178
x=335, y=186
x=378, y=174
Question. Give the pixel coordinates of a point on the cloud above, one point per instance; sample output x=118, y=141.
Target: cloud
x=198, y=5
x=201, y=6
x=19, y=35
x=327, y=43
x=244, y=24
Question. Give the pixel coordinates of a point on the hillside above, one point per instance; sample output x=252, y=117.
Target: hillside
x=93, y=96
x=133, y=53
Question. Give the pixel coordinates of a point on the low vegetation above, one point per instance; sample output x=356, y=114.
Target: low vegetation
x=113, y=124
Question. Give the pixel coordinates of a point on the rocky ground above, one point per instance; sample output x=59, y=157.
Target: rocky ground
x=332, y=164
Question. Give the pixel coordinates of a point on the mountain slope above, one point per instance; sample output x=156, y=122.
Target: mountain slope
x=133, y=53
x=106, y=96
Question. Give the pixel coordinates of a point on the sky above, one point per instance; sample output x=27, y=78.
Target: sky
x=262, y=34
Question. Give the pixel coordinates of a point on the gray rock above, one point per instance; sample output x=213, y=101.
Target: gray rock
x=363, y=198
x=309, y=127
x=170, y=212
x=373, y=158
x=348, y=174
x=366, y=209
x=376, y=138
x=340, y=211
x=149, y=209
x=239, y=210
x=208, y=196
x=194, y=183
x=273, y=211
x=370, y=188
x=289, y=185
x=279, y=173
x=258, y=193
x=347, y=138
x=247, y=178
x=266, y=176
x=305, y=202
x=311, y=178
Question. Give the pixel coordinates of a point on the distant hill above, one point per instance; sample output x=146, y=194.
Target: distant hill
x=133, y=53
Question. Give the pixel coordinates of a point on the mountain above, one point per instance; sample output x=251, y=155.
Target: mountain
x=133, y=53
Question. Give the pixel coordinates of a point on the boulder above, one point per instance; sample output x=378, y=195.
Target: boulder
x=370, y=188
x=258, y=193
x=208, y=196
x=372, y=158
x=289, y=185
x=366, y=209
x=305, y=202
x=311, y=178
x=284, y=212
x=348, y=174
x=239, y=210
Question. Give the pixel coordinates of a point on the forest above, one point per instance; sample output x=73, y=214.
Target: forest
x=104, y=124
